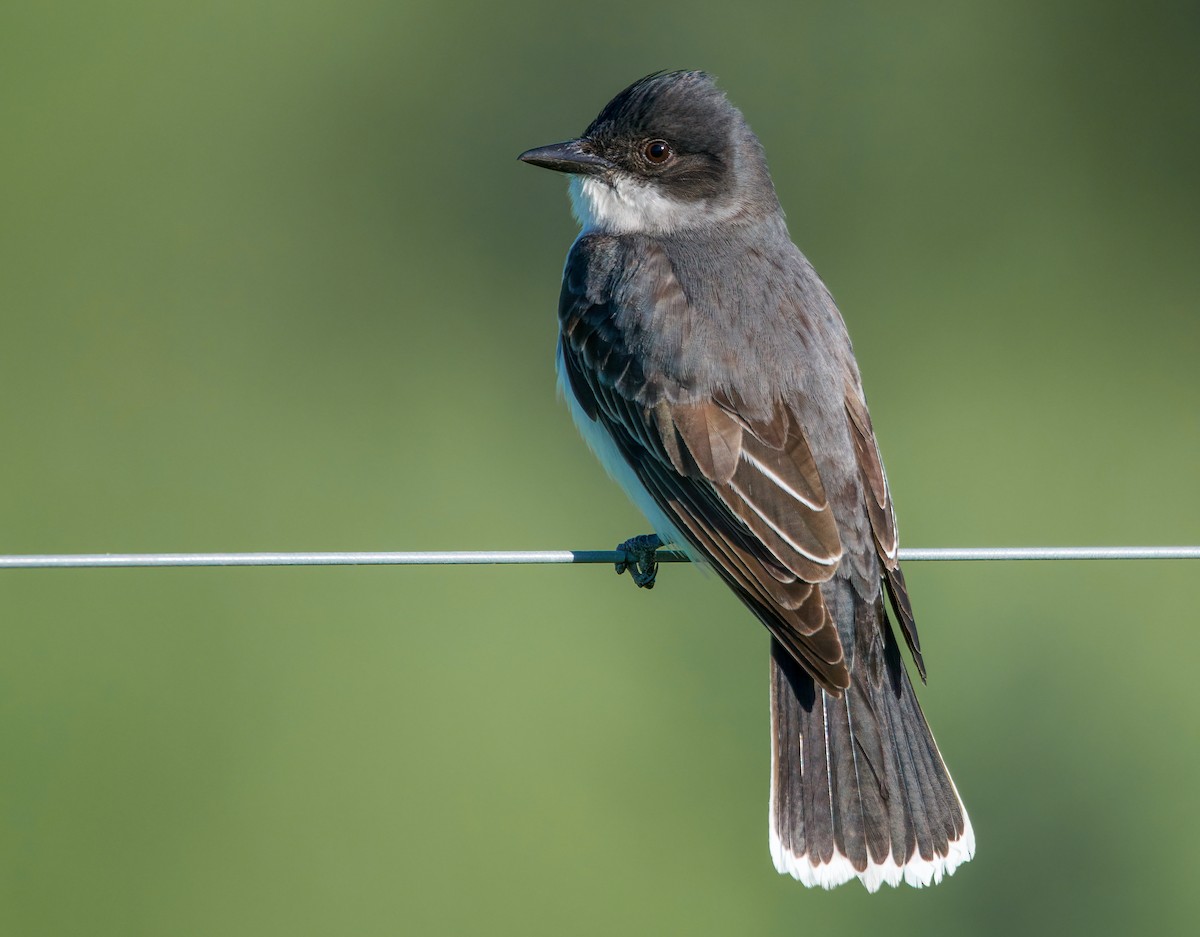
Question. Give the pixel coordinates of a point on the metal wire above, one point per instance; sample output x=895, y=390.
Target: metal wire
x=492, y=557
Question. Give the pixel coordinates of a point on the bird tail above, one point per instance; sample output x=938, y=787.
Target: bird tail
x=858, y=786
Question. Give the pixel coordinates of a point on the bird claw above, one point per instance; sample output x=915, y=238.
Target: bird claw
x=640, y=559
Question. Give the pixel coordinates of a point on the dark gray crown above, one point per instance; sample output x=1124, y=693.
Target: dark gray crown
x=714, y=151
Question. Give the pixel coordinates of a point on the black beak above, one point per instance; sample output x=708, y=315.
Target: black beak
x=566, y=157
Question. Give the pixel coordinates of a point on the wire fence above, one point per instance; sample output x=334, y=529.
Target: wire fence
x=535, y=557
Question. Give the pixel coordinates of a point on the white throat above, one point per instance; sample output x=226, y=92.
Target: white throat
x=626, y=205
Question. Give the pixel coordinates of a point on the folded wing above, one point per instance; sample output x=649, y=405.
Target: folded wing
x=744, y=489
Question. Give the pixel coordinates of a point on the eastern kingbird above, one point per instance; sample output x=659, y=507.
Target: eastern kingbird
x=707, y=366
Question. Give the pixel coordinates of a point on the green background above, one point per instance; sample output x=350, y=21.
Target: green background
x=272, y=279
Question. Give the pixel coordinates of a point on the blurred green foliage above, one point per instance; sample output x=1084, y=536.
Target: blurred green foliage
x=272, y=279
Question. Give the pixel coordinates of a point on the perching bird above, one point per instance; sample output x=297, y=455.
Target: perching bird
x=706, y=364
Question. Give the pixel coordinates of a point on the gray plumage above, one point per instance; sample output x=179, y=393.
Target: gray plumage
x=707, y=362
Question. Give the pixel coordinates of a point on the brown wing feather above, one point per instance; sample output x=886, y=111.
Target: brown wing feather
x=713, y=437
x=721, y=486
x=796, y=614
x=883, y=520
x=739, y=484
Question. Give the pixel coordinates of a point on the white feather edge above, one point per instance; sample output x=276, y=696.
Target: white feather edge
x=915, y=870
x=615, y=464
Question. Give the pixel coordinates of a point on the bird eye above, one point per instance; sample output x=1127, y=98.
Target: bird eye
x=657, y=151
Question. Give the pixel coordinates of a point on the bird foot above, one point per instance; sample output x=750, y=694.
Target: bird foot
x=640, y=559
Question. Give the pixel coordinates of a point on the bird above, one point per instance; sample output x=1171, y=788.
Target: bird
x=707, y=366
